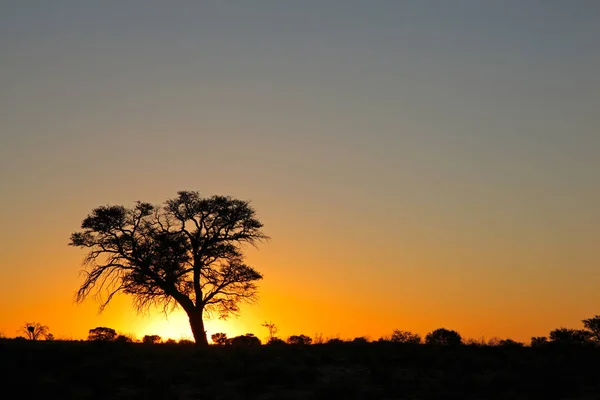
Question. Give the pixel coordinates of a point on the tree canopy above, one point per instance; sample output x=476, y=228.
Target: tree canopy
x=187, y=253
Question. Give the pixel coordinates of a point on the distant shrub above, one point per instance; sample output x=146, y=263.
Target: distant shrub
x=299, y=339
x=151, y=339
x=276, y=341
x=170, y=341
x=335, y=341
x=565, y=336
x=185, y=342
x=443, y=337
x=219, y=338
x=475, y=342
x=510, y=343
x=360, y=340
x=124, y=339
x=399, y=336
x=102, y=334
x=539, y=341
x=245, y=340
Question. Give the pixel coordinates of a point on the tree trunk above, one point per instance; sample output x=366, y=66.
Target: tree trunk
x=197, y=325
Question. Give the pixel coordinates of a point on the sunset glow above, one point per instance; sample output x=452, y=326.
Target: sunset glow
x=416, y=165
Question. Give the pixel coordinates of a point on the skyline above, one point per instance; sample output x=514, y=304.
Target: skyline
x=417, y=165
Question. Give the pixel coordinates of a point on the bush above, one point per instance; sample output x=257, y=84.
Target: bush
x=151, y=339
x=102, y=334
x=400, y=336
x=299, y=339
x=276, y=341
x=220, y=338
x=246, y=340
x=443, y=337
x=539, y=341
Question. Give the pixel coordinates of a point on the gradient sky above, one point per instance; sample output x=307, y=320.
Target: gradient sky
x=418, y=164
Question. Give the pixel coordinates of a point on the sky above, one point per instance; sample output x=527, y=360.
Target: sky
x=417, y=164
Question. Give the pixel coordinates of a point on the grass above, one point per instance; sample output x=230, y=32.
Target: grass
x=85, y=370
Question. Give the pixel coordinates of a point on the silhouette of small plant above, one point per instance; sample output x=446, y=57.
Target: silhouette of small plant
x=246, y=340
x=539, y=341
x=151, y=339
x=399, y=336
x=443, y=337
x=276, y=341
x=299, y=339
x=35, y=330
x=220, y=338
x=272, y=330
x=335, y=341
x=510, y=343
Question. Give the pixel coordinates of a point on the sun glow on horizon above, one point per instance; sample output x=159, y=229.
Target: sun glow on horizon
x=176, y=326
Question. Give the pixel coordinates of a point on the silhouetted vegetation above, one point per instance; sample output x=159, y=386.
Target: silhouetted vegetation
x=35, y=331
x=399, y=336
x=566, y=336
x=187, y=253
x=246, y=340
x=299, y=339
x=592, y=325
x=399, y=366
x=443, y=337
x=344, y=369
x=151, y=339
x=102, y=334
x=220, y=339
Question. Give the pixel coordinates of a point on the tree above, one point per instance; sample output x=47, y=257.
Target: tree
x=299, y=339
x=565, y=336
x=405, y=337
x=246, y=340
x=35, y=330
x=102, y=334
x=151, y=339
x=220, y=338
x=593, y=326
x=444, y=337
x=186, y=253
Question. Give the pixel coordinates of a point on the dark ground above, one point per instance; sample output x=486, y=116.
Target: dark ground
x=84, y=370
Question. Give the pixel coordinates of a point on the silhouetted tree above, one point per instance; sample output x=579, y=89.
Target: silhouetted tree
x=187, y=253
x=539, y=341
x=35, y=330
x=335, y=341
x=272, y=330
x=399, y=336
x=245, y=340
x=567, y=336
x=299, y=339
x=151, y=339
x=219, y=338
x=593, y=326
x=444, y=337
x=102, y=334
x=360, y=340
